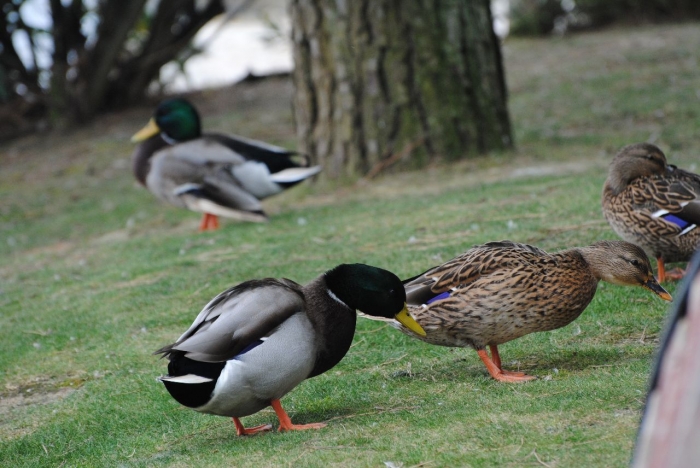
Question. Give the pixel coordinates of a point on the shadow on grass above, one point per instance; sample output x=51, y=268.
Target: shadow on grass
x=461, y=368
x=224, y=431
x=581, y=359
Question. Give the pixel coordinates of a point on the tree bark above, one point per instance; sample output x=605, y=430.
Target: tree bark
x=102, y=59
x=377, y=80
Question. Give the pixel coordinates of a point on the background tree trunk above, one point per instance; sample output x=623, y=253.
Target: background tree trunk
x=93, y=69
x=378, y=80
x=108, y=80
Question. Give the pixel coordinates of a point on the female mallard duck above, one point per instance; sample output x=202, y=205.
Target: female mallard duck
x=256, y=341
x=211, y=173
x=500, y=291
x=654, y=205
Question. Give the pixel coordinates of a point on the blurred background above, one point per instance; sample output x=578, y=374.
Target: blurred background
x=62, y=62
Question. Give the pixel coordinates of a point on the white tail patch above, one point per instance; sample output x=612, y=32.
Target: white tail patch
x=255, y=178
x=185, y=379
x=294, y=174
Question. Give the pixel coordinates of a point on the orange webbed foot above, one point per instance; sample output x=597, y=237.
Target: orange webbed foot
x=512, y=377
x=675, y=275
x=286, y=422
x=515, y=374
x=495, y=370
x=241, y=430
x=664, y=276
x=301, y=427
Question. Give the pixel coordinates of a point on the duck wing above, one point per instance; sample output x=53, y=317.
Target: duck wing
x=198, y=175
x=674, y=197
x=466, y=268
x=267, y=169
x=274, y=157
x=238, y=318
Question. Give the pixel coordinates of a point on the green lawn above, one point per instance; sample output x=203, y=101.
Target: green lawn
x=95, y=274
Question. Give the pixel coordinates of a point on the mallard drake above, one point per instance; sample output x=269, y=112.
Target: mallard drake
x=256, y=341
x=499, y=291
x=654, y=205
x=211, y=173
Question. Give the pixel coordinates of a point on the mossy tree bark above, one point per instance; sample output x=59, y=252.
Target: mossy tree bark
x=380, y=80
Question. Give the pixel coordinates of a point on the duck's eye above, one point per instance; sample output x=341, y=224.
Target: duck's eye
x=635, y=262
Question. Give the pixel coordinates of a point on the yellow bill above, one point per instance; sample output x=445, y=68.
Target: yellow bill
x=146, y=132
x=407, y=321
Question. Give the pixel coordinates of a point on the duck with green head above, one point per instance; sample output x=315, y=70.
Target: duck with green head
x=256, y=341
x=211, y=173
x=654, y=205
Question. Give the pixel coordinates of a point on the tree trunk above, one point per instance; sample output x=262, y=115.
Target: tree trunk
x=116, y=70
x=379, y=80
x=164, y=43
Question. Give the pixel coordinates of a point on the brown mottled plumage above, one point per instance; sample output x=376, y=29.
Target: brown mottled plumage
x=653, y=204
x=500, y=291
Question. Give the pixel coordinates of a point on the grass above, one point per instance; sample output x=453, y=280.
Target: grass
x=96, y=274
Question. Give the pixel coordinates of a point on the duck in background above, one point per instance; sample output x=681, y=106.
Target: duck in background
x=255, y=342
x=211, y=173
x=499, y=291
x=654, y=205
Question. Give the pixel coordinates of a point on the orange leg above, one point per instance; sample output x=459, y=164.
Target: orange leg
x=204, y=224
x=209, y=222
x=675, y=274
x=241, y=430
x=286, y=422
x=661, y=270
x=499, y=374
x=496, y=358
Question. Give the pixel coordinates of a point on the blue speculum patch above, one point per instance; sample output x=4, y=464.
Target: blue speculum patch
x=254, y=344
x=676, y=220
x=444, y=295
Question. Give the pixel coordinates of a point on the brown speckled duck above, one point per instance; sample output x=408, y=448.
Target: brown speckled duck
x=654, y=205
x=211, y=173
x=500, y=291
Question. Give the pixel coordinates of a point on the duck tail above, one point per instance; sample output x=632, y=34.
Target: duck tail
x=294, y=175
